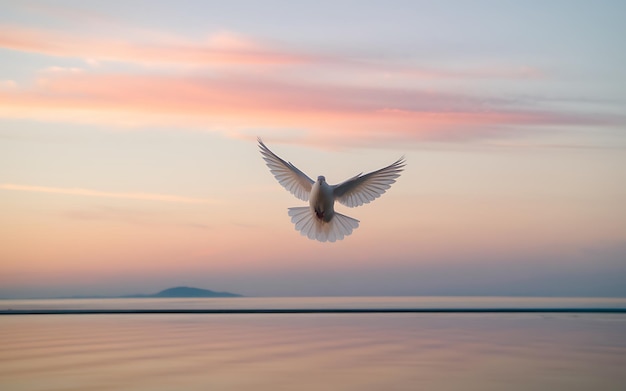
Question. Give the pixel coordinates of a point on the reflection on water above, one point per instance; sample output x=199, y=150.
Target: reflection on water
x=313, y=352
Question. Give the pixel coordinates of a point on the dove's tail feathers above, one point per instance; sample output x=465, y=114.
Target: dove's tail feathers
x=310, y=226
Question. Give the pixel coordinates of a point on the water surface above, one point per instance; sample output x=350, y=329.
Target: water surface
x=312, y=351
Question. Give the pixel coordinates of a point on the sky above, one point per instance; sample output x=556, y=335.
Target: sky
x=129, y=164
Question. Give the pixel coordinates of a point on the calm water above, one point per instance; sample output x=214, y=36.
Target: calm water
x=313, y=352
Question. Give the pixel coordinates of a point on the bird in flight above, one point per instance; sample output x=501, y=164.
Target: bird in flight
x=319, y=221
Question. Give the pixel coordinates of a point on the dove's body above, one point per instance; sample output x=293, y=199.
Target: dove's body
x=320, y=221
x=322, y=200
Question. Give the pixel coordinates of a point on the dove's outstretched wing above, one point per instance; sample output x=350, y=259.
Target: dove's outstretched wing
x=288, y=175
x=362, y=189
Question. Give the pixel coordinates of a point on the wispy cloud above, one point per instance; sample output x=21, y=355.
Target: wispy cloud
x=221, y=48
x=323, y=96
x=238, y=103
x=7, y=84
x=143, y=217
x=105, y=194
x=227, y=48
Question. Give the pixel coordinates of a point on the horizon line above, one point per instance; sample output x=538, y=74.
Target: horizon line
x=504, y=310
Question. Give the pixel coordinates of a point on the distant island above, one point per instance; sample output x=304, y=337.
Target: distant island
x=176, y=292
x=185, y=291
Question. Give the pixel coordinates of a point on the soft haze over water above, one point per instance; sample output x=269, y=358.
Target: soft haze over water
x=311, y=352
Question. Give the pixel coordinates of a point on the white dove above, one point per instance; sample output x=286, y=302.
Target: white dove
x=319, y=220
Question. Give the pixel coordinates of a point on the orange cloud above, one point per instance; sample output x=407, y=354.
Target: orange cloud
x=222, y=48
x=227, y=48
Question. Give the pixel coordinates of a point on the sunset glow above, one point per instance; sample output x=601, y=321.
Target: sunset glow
x=128, y=157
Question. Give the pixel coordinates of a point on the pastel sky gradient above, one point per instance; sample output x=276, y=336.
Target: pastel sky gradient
x=128, y=157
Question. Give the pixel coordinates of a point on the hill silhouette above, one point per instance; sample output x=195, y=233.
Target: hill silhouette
x=185, y=291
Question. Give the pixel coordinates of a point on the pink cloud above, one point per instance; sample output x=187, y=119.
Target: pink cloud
x=236, y=104
x=227, y=48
